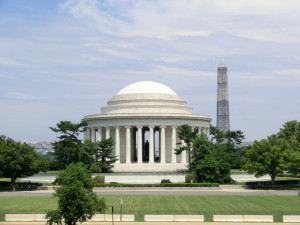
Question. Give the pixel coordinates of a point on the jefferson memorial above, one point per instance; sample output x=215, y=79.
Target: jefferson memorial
x=143, y=119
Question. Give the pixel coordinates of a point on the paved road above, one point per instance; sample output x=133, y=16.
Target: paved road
x=165, y=191
x=152, y=223
x=194, y=192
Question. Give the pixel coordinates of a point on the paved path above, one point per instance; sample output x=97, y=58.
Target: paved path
x=145, y=178
x=151, y=223
x=225, y=190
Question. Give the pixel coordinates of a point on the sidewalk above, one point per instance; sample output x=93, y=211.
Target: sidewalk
x=151, y=223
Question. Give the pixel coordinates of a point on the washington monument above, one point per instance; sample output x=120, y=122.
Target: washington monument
x=222, y=102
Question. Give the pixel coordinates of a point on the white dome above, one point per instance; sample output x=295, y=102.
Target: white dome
x=146, y=87
x=146, y=97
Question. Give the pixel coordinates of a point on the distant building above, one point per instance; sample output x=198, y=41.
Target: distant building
x=42, y=146
x=244, y=144
x=223, y=123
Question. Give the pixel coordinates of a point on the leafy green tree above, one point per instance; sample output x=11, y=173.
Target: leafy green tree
x=188, y=135
x=104, y=158
x=209, y=161
x=290, y=130
x=19, y=160
x=51, y=160
x=230, y=140
x=76, y=200
x=88, y=153
x=291, y=133
x=236, y=158
x=217, y=135
x=293, y=160
x=266, y=157
x=68, y=149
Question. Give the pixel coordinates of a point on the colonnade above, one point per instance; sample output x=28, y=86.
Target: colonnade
x=130, y=146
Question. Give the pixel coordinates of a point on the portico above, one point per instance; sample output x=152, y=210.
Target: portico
x=143, y=120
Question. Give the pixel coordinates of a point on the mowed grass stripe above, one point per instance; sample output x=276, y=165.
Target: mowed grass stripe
x=168, y=204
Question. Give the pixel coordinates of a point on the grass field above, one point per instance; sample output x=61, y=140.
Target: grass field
x=140, y=205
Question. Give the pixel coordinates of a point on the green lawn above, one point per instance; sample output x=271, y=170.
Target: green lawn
x=140, y=205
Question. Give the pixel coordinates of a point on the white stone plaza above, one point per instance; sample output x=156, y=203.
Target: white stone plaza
x=143, y=120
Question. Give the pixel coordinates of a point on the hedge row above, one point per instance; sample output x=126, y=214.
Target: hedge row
x=289, y=175
x=268, y=183
x=161, y=185
x=5, y=185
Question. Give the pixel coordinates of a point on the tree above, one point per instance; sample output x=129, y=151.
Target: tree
x=76, y=200
x=230, y=140
x=188, y=135
x=291, y=133
x=266, y=157
x=68, y=149
x=277, y=153
x=209, y=161
x=104, y=157
x=51, y=160
x=290, y=130
x=19, y=160
x=88, y=155
x=293, y=160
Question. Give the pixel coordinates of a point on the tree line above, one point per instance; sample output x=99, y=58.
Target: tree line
x=212, y=159
x=19, y=160
x=70, y=149
x=277, y=153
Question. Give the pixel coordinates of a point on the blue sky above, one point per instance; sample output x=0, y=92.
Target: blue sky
x=62, y=60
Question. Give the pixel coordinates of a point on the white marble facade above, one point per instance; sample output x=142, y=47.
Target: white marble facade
x=143, y=120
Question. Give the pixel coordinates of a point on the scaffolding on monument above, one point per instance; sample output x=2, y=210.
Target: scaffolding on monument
x=223, y=123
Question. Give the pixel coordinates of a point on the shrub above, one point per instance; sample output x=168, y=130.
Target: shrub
x=162, y=185
x=191, y=185
x=267, y=184
x=165, y=181
x=20, y=186
x=190, y=178
x=99, y=180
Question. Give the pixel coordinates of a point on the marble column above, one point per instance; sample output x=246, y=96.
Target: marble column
x=128, y=145
x=117, y=144
x=99, y=136
x=140, y=147
x=162, y=144
x=88, y=134
x=107, y=132
x=94, y=134
x=183, y=153
x=151, y=144
x=84, y=135
x=173, y=144
x=199, y=132
x=207, y=132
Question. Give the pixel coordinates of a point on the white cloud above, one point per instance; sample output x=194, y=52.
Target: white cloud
x=256, y=7
x=19, y=96
x=10, y=62
x=250, y=76
x=81, y=56
x=289, y=72
x=165, y=19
